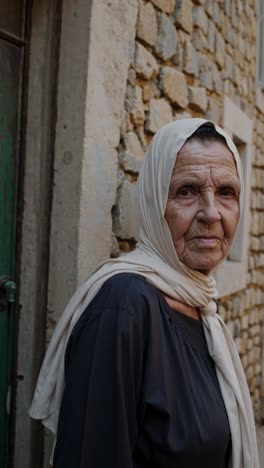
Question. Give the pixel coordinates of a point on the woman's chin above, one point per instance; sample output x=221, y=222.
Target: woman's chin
x=204, y=263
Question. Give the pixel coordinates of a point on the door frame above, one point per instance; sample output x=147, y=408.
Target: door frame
x=33, y=220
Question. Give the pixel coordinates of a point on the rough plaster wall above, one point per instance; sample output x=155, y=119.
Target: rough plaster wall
x=72, y=84
x=110, y=53
x=189, y=55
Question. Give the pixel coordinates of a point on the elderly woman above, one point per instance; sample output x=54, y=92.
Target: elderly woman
x=150, y=376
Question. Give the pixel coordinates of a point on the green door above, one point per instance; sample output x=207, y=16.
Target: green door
x=11, y=62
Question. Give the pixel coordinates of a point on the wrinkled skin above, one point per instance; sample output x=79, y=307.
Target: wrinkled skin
x=202, y=210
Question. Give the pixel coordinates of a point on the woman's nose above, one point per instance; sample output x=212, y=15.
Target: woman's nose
x=208, y=212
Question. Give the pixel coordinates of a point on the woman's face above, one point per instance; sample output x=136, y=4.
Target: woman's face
x=202, y=210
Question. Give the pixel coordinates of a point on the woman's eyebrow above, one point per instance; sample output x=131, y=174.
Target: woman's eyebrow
x=228, y=180
x=187, y=180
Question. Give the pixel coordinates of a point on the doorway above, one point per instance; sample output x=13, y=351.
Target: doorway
x=12, y=56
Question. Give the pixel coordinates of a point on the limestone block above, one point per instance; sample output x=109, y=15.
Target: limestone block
x=178, y=57
x=244, y=361
x=199, y=40
x=229, y=34
x=132, y=155
x=209, y=7
x=237, y=328
x=131, y=76
x=200, y=19
x=217, y=15
x=211, y=36
x=173, y=84
x=125, y=213
x=164, y=5
x=183, y=15
x=134, y=105
x=228, y=72
x=241, y=45
x=182, y=115
x=205, y=72
x=114, y=247
x=167, y=37
x=218, y=83
x=255, y=330
x=220, y=50
x=150, y=90
x=213, y=111
x=197, y=98
x=126, y=124
x=190, y=59
x=147, y=23
x=234, y=17
x=244, y=322
x=227, y=8
x=159, y=115
x=145, y=64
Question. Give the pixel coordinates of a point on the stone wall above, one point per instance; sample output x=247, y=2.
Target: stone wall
x=188, y=55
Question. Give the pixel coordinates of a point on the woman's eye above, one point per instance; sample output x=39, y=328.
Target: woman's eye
x=227, y=192
x=185, y=192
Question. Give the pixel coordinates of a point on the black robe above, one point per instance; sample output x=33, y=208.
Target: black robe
x=140, y=387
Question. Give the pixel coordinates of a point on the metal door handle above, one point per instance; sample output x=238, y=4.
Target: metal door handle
x=7, y=291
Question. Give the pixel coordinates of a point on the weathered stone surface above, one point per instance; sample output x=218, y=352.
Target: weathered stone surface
x=205, y=72
x=213, y=111
x=199, y=40
x=220, y=50
x=131, y=76
x=167, y=37
x=178, y=57
x=126, y=124
x=190, y=59
x=132, y=155
x=227, y=7
x=197, y=98
x=182, y=115
x=173, y=84
x=218, y=83
x=145, y=64
x=134, y=105
x=125, y=213
x=217, y=15
x=200, y=19
x=150, y=90
x=183, y=15
x=211, y=36
x=114, y=247
x=147, y=23
x=159, y=115
x=228, y=70
x=165, y=5
x=209, y=7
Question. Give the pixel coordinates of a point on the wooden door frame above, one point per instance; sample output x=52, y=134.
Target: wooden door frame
x=35, y=200
x=21, y=42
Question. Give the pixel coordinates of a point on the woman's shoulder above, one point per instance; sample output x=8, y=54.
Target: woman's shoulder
x=124, y=303
x=126, y=290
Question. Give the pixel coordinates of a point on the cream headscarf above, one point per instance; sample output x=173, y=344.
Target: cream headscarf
x=155, y=258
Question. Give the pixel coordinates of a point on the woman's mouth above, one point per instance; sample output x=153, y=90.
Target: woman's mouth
x=207, y=241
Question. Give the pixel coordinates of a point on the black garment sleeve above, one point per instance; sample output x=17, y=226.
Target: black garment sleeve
x=98, y=422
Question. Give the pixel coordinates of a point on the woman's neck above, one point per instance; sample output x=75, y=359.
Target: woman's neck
x=184, y=308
